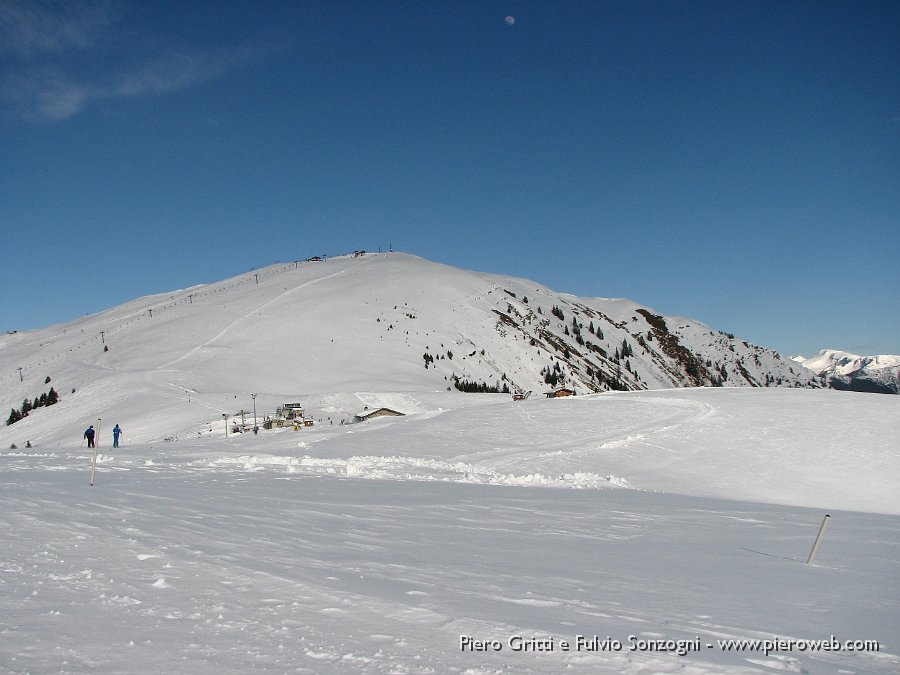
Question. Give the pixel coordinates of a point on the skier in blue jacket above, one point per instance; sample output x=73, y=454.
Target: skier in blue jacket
x=116, y=432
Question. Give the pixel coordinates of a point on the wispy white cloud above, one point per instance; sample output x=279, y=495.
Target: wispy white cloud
x=41, y=38
x=50, y=94
x=45, y=94
x=174, y=71
x=30, y=27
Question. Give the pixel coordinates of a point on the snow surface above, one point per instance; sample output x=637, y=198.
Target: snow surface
x=373, y=547
x=668, y=515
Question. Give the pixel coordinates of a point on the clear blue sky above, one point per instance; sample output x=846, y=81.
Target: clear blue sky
x=734, y=162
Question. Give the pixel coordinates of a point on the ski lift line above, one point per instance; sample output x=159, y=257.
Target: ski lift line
x=138, y=315
x=260, y=308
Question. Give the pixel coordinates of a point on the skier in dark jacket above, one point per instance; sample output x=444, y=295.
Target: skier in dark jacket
x=116, y=431
x=89, y=435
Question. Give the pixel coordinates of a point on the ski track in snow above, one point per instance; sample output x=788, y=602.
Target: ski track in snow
x=291, y=291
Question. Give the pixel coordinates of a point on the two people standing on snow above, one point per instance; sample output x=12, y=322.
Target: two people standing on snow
x=89, y=435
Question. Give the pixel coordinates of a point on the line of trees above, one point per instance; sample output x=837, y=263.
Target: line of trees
x=479, y=387
x=49, y=398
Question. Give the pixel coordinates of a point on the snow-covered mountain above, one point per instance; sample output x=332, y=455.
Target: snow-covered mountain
x=843, y=370
x=408, y=323
x=380, y=546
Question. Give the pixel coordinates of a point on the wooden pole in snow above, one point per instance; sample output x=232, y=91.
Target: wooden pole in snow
x=815, y=548
x=94, y=459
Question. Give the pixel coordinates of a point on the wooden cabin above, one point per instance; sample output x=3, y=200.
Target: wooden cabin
x=561, y=392
x=377, y=412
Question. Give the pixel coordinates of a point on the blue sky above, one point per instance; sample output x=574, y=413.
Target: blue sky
x=734, y=162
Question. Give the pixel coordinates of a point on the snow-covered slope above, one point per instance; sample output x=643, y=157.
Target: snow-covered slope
x=395, y=320
x=378, y=547
x=842, y=370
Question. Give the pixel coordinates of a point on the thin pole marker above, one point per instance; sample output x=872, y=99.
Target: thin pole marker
x=94, y=459
x=815, y=548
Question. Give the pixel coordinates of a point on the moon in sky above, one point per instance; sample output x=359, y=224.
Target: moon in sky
x=510, y=20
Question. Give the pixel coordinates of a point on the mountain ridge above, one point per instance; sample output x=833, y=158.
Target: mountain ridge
x=370, y=322
x=851, y=372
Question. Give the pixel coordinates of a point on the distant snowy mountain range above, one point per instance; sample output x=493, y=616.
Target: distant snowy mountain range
x=842, y=370
x=388, y=322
